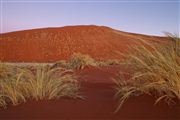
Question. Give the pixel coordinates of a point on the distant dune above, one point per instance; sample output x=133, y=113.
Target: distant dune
x=52, y=44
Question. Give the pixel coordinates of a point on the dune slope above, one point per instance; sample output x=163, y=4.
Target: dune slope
x=52, y=44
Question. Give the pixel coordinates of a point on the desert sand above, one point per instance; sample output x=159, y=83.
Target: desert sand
x=97, y=87
x=52, y=44
x=99, y=103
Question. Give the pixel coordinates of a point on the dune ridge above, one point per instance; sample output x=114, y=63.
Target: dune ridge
x=53, y=44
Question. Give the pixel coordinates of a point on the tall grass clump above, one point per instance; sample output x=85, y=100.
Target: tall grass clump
x=38, y=83
x=79, y=61
x=6, y=70
x=51, y=83
x=154, y=70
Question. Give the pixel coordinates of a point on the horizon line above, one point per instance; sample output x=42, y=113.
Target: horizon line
x=38, y=28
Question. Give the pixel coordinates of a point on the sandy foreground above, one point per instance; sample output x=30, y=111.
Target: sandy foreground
x=99, y=103
x=97, y=86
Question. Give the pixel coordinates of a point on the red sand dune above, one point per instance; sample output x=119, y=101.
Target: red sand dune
x=99, y=103
x=52, y=44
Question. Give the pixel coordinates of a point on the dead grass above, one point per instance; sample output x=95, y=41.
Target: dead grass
x=154, y=70
x=79, y=61
x=2, y=102
x=61, y=63
x=5, y=70
x=108, y=62
x=38, y=83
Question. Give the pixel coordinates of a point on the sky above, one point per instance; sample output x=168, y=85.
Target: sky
x=152, y=17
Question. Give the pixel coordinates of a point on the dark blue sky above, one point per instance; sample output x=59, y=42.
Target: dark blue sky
x=139, y=16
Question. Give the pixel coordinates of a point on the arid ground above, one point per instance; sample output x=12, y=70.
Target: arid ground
x=53, y=44
x=97, y=89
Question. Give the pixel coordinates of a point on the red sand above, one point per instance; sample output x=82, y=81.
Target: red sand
x=99, y=103
x=52, y=44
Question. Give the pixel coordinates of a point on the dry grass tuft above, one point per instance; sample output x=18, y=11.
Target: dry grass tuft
x=61, y=63
x=5, y=70
x=2, y=102
x=79, y=61
x=108, y=62
x=155, y=70
x=39, y=83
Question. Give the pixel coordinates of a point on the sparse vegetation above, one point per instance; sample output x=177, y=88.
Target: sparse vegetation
x=5, y=70
x=79, y=61
x=38, y=83
x=61, y=63
x=41, y=81
x=154, y=70
x=108, y=62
